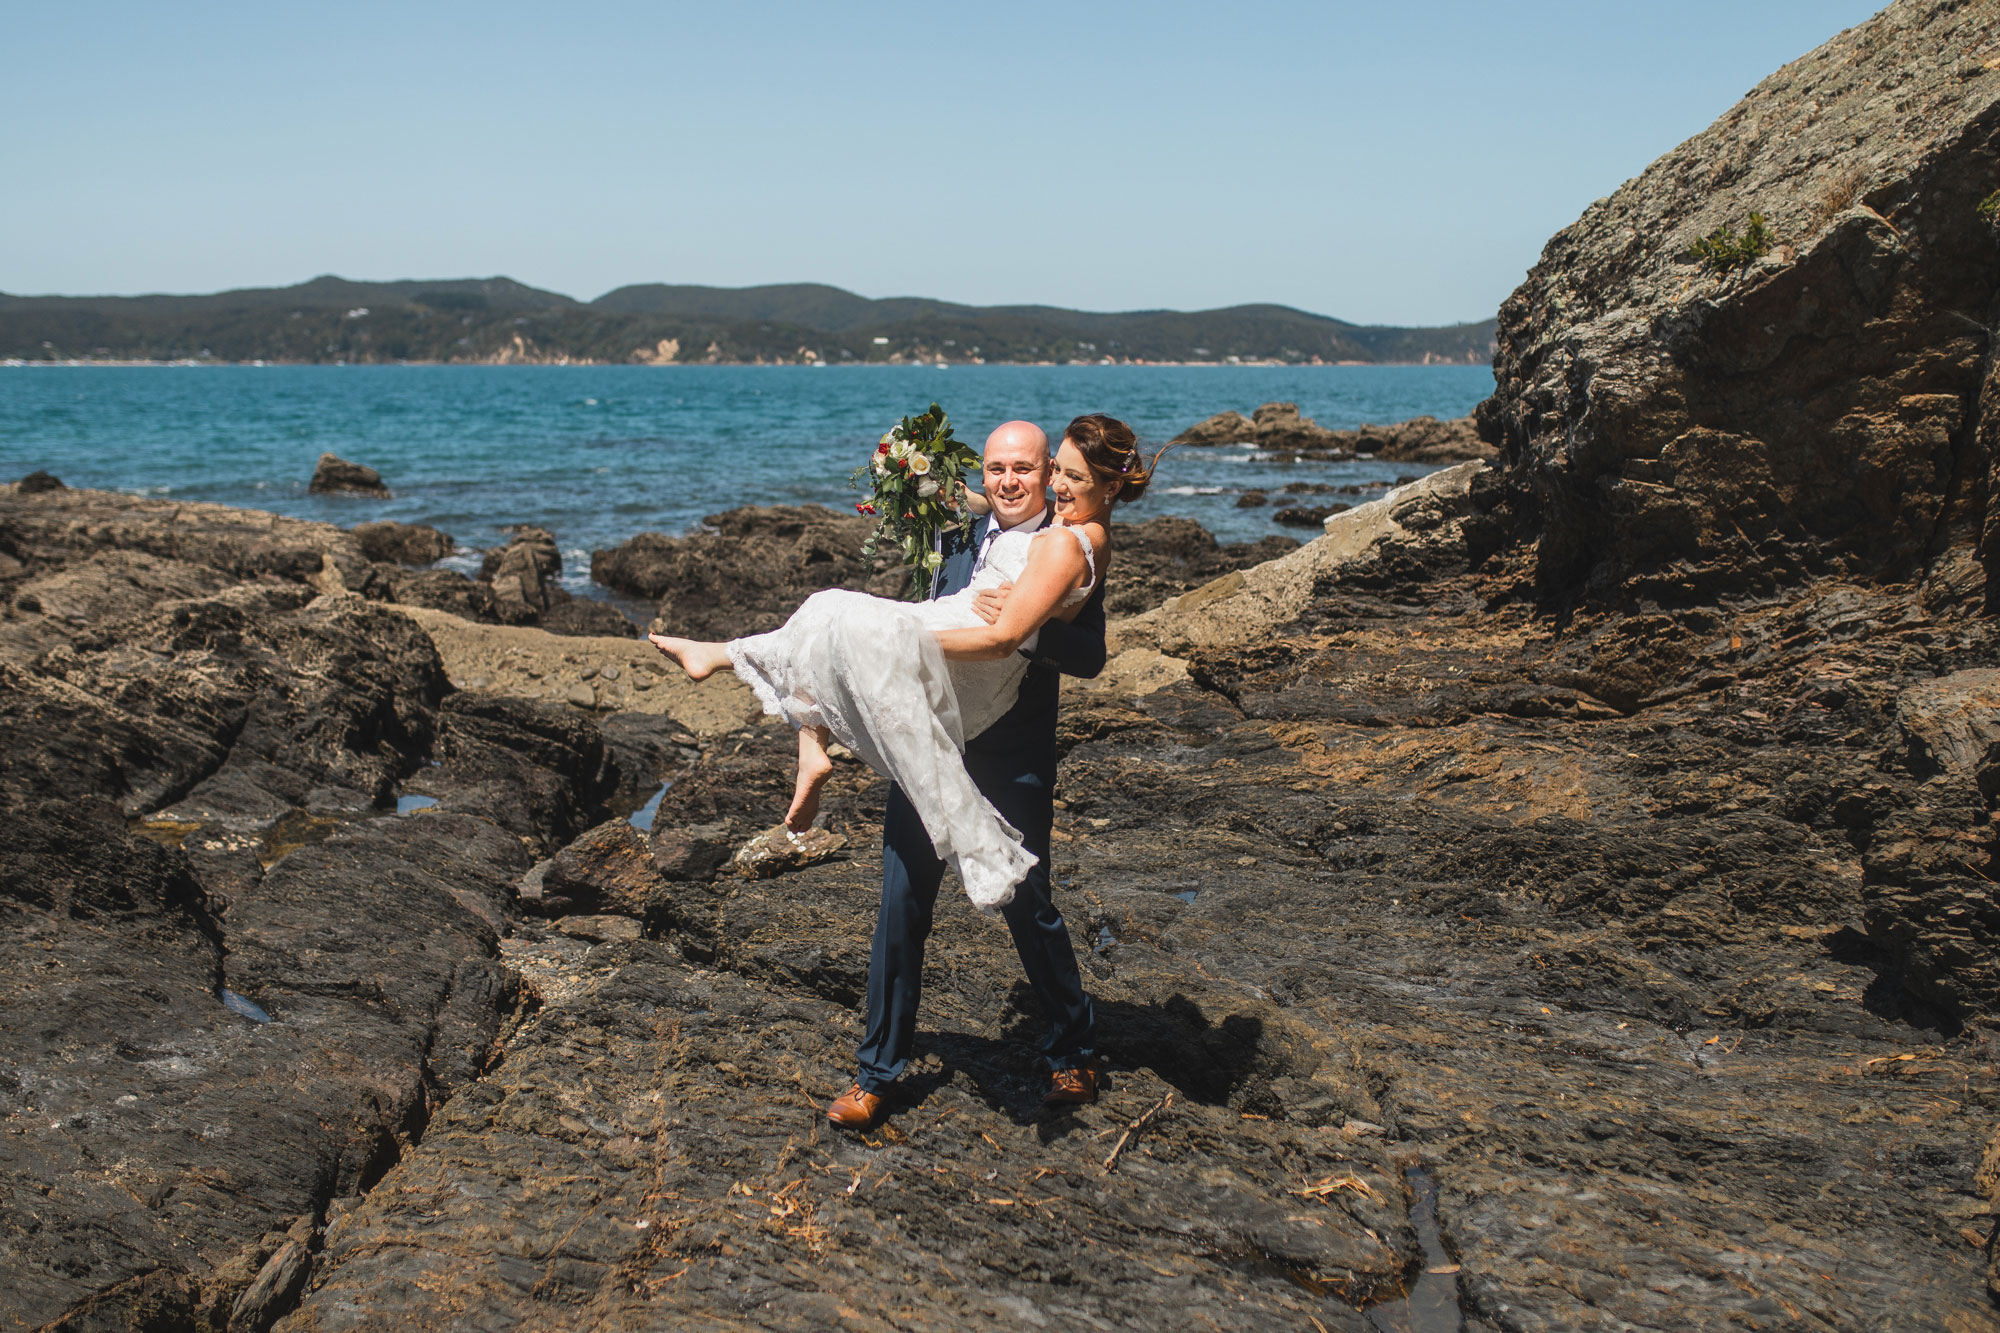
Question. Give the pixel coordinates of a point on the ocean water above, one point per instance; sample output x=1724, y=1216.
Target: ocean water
x=598, y=453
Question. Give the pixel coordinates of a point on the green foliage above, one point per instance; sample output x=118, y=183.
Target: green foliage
x=915, y=482
x=1989, y=207
x=1722, y=250
x=436, y=320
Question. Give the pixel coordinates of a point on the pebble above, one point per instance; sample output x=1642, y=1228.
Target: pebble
x=609, y=673
x=581, y=695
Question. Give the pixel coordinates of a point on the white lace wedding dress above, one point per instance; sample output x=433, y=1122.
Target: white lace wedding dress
x=871, y=671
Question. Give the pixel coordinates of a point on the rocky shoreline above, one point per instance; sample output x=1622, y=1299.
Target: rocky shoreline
x=1557, y=895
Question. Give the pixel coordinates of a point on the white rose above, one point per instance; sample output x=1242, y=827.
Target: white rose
x=920, y=463
x=927, y=487
x=900, y=449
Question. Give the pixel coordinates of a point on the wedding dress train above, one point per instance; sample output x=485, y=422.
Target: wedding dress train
x=870, y=670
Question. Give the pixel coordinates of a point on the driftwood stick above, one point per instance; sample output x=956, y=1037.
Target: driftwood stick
x=1111, y=1162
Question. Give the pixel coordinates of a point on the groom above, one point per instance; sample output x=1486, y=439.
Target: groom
x=1013, y=763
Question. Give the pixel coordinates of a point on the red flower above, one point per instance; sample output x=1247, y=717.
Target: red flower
x=864, y=509
x=884, y=448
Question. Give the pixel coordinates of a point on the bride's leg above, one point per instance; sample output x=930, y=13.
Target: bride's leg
x=815, y=766
x=700, y=660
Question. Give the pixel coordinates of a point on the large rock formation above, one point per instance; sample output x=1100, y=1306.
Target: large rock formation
x=1623, y=961
x=237, y=984
x=1677, y=429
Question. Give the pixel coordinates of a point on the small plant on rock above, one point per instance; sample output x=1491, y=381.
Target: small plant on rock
x=1838, y=196
x=1989, y=207
x=1722, y=250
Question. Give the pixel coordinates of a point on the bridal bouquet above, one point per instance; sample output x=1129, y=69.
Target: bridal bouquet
x=915, y=482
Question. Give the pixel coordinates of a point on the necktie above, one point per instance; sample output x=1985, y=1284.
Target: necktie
x=985, y=545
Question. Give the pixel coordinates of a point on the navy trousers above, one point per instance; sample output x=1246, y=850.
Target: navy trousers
x=911, y=873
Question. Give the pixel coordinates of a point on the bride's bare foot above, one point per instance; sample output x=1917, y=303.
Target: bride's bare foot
x=815, y=767
x=700, y=660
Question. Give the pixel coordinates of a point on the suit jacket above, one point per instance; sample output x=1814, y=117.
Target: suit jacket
x=1024, y=739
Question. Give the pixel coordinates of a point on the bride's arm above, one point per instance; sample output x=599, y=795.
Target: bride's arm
x=1054, y=567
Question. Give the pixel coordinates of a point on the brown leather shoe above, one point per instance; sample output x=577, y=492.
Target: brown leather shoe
x=857, y=1108
x=1073, y=1087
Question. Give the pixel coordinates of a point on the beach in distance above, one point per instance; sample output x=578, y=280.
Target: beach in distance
x=598, y=453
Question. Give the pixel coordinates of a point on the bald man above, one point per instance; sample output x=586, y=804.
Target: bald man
x=1013, y=763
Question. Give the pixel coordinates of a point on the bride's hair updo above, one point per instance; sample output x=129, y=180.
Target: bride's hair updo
x=1111, y=451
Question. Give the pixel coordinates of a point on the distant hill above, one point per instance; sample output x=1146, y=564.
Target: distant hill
x=498, y=320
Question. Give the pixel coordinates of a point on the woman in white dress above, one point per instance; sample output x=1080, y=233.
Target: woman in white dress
x=905, y=684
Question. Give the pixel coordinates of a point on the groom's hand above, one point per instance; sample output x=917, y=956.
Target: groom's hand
x=990, y=600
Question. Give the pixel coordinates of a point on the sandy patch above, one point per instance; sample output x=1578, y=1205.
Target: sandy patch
x=594, y=674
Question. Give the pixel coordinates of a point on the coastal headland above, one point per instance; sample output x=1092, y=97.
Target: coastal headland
x=1556, y=895
x=497, y=321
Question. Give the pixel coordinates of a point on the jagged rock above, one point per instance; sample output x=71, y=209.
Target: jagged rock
x=753, y=567
x=1305, y=516
x=39, y=482
x=1423, y=440
x=337, y=476
x=746, y=570
x=275, y=1290
x=536, y=769
x=244, y=704
x=649, y=749
x=57, y=527
x=1676, y=430
x=778, y=850
x=1272, y=426
x=608, y=870
x=1279, y=427
x=402, y=543
x=443, y=590
x=522, y=575
x=1154, y=559
x=1425, y=530
x=62, y=603
x=1954, y=723
x=160, y=1129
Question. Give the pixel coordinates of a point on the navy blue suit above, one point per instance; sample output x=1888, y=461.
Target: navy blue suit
x=1013, y=763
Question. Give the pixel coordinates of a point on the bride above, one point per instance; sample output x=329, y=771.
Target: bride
x=904, y=685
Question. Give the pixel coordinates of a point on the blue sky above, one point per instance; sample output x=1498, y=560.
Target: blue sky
x=1381, y=163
